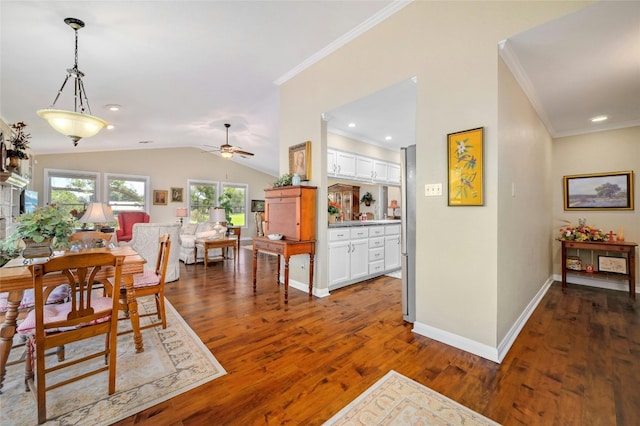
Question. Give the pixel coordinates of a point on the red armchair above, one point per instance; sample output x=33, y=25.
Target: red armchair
x=126, y=221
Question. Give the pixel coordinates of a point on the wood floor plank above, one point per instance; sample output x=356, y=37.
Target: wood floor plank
x=574, y=362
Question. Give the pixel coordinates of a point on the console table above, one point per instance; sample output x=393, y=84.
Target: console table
x=286, y=248
x=616, y=248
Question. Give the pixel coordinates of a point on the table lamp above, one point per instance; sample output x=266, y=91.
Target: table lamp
x=393, y=206
x=181, y=212
x=100, y=214
x=218, y=215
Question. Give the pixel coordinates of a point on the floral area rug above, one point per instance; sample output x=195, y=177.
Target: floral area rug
x=174, y=361
x=398, y=400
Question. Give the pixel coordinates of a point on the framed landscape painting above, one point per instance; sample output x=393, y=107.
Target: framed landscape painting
x=599, y=191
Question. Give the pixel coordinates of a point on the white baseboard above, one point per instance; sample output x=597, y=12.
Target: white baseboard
x=480, y=349
x=596, y=282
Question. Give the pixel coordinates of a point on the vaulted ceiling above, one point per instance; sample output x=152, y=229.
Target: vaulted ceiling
x=180, y=70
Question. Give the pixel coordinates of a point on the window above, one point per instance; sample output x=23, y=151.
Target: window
x=235, y=196
x=127, y=192
x=71, y=189
x=202, y=196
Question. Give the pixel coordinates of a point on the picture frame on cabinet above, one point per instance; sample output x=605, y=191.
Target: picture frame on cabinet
x=599, y=191
x=617, y=265
x=160, y=197
x=177, y=195
x=465, y=151
x=300, y=160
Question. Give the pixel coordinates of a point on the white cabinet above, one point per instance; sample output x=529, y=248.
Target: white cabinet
x=346, y=163
x=393, y=174
x=348, y=255
x=360, y=252
x=380, y=171
x=332, y=162
x=364, y=168
x=392, y=248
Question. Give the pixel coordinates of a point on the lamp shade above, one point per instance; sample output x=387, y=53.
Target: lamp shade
x=97, y=213
x=217, y=215
x=181, y=212
x=394, y=204
x=73, y=124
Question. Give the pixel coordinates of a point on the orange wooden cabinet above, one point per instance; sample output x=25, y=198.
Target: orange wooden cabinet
x=291, y=211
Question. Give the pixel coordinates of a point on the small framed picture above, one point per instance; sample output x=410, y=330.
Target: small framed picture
x=617, y=265
x=300, y=160
x=177, y=195
x=160, y=197
x=257, y=206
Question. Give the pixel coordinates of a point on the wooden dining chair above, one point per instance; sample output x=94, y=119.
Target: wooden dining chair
x=86, y=315
x=151, y=282
x=90, y=237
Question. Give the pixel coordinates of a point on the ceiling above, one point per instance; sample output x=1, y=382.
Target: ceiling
x=181, y=69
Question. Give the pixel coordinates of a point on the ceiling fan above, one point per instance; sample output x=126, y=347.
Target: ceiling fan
x=227, y=150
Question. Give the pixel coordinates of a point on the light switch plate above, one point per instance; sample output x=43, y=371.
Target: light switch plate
x=433, y=190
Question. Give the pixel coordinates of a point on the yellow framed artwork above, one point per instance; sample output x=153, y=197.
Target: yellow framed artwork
x=300, y=160
x=466, y=167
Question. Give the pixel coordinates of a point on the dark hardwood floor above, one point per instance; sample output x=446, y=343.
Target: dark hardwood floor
x=576, y=362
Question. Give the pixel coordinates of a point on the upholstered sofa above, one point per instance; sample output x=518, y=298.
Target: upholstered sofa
x=145, y=242
x=189, y=233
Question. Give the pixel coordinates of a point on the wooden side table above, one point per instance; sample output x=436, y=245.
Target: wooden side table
x=615, y=248
x=221, y=243
x=286, y=248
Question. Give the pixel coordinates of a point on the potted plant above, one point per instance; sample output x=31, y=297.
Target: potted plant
x=367, y=199
x=47, y=227
x=334, y=211
x=284, y=180
x=19, y=143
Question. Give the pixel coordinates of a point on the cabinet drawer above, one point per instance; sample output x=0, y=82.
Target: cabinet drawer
x=376, y=267
x=339, y=234
x=376, y=242
x=359, y=232
x=376, y=231
x=272, y=247
x=376, y=254
x=392, y=230
x=292, y=191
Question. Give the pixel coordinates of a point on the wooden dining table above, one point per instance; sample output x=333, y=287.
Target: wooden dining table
x=16, y=279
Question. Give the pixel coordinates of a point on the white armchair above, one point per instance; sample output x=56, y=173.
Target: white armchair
x=145, y=242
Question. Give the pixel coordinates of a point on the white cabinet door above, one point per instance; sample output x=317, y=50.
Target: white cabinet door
x=393, y=174
x=359, y=258
x=380, y=171
x=391, y=252
x=346, y=164
x=364, y=168
x=339, y=263
x=332, y=162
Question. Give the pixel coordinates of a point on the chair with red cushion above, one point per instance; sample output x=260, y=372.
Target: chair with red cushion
x=126, y=221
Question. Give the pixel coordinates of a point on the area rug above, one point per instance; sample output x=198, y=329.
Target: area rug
x=174, y=361
x=398, y=400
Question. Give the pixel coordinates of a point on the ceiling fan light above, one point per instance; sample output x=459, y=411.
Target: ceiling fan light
x=226, y=154
x=73, y=124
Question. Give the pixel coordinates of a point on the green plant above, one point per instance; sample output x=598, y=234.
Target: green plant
x=284, y=180
x=8, y=250
x=225, y=202
x=333, y=208
x=367, y=198
x=46, y=222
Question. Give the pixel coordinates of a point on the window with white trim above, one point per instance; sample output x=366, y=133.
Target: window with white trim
x=71, y=189
x=202, y=196
x=127, y=192
x=235, y=195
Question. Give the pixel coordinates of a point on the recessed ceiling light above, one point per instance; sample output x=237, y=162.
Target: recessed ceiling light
x=352, y=125
x=387, y=138
x=599, y=118
x=110, y=126
x=113, y=107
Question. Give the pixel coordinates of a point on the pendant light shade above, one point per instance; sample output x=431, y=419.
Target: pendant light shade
x=76, y=124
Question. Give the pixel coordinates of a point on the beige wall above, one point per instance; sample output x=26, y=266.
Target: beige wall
x=601, y=152
x=166, y=168
x=452, y=49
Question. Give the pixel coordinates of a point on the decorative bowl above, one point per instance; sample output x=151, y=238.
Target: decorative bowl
x=274, y=236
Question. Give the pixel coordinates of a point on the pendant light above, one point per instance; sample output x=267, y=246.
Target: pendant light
x=76, y=124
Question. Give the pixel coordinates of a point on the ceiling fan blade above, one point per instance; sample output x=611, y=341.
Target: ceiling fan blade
x=243, y=153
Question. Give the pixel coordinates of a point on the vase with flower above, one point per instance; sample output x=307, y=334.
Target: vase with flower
x=334, y=211
x=19, y=144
